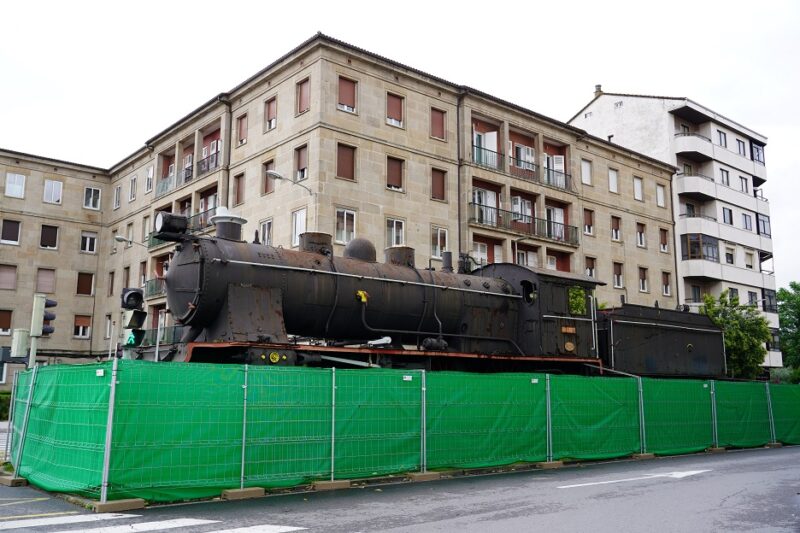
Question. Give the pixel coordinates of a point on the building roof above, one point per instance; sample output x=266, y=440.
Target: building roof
x=14, y=153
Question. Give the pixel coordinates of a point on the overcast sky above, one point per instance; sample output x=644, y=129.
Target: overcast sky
x=91, y=81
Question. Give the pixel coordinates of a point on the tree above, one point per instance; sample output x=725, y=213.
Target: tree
x=746, y=331
x=789, y=312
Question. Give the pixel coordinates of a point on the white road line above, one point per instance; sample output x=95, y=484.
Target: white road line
x=148, y=526
x=57, y=521
x=674, y=475
x=264, y=528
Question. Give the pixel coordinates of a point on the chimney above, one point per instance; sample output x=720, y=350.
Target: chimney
x=598, y=90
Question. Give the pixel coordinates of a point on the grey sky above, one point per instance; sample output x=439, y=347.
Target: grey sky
x=91, y=81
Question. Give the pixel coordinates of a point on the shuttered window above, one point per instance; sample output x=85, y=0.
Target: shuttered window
x=10, y=233
x=588, y=221
x=438, y=181
x=271, y=113
x=301, y=162
x=238, y=189
x=49, y=238
x=83, y=320
x=347, y=95
x=346, y=162
x=5, y=320
x=437, y=123
x=46, y=280
x=85, y=283
x=8, y=277
x=303, y=97
x=83, y=325
x=663, y=237
x=241, y=128
x=268, y=185
x=394, y=173
x=394, y=110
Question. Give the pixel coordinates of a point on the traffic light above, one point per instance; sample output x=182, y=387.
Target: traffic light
x=41, y=315
x=132, y=322
x=132, y=298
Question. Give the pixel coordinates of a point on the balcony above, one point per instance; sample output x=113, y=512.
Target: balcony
x=523, y=169
x=559, y=180
x=186, y=174
x=201, y=221
x=695, y=185
x=153, y=288
x=153, y=241
x=204, y=166
x=486, y=158
x=164, y=185
x=169, y=335
x=518, y=223
x=694, y=146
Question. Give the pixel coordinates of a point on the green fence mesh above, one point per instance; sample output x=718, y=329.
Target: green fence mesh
x=677, y=416
x=742, y=414
x=184, y=431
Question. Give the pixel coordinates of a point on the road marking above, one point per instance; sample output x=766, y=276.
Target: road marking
x=148, y=526
x=34, y=516
x=264, y=528
x=18, y=501
x=674, y=475
x=57, y=521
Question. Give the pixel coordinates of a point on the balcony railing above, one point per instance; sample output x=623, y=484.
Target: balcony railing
x=169, y=335
x=154, y=288
x=557, y=179
x=537, y=227
x=186, y=174
x=693, y=135
x=201, y=221
x=153, y=241
x=522, y=169
x=164, y=185
x=698, y=215
x=699, y=175
x=209, y=163
x=486, y=158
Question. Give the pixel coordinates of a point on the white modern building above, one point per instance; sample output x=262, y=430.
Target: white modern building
x=722, y=226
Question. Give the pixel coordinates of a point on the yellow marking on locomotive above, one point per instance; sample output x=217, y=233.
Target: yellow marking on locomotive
x=569, y=329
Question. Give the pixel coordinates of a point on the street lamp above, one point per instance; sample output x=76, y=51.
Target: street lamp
x=120, y=238
x=280, y=177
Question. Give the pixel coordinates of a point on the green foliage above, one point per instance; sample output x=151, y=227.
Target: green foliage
x=789, y=312
x=746, y=331
x=577, y=300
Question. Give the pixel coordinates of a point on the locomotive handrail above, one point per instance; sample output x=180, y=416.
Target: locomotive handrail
x=358, y=276
x=657, y=325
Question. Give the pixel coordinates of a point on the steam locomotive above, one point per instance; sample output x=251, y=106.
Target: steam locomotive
x=250, y=303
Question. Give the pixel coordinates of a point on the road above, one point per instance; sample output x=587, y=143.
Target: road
x=748, y=490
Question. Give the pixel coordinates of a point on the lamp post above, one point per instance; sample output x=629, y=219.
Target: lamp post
x=278, y=176
x=129, y=242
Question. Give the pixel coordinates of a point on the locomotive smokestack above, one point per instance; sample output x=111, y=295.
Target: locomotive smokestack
x=229, y=226
x=318, y=243
x=447, y=261
x=400, y=255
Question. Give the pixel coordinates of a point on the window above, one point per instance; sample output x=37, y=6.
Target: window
x=394, y=110
x=684, y=129
x=266, y=232
x=111, y=283
x=303, y=96
x=752, y=298
x=395, y=234
x=438, y=242
x=727, y=215
x=10, y=232
x=270, y=114
x=83, y=326
x=729, y=255
x=438, y=123
x=301, y=163
x=586, y=172
x=52, y=192
x=268, y=182
x=88, y=242
x=687, y=169
x=661, y=200
x=49, y=237
x=347, y=95
x=748, y=260
x=85, y=283
x=126, y=277
x=744, y=184
x=345, y=225
x=612, y=180
x=145, y=227
x=747, y=222
x=142, y=273
x=616, y=222
x=733, y=295
x=666, y=289
x=521, y=209
x=725, y=176
x=46, y=280
x=638, y=186
x=643, y=280
x=740, y=147
x=148, y=180
x=438, y=184
x=480, y=252
x=699, y=246
x=91, y=198
x=757, y=153
x=15, y=185
x=5, y=322
x=697, y=295
x=394, y=174
x=117, y=196
x=618, y=281
x=641, y=238
x=129, y=235
x=591, y=265
x=723, y=138
x=588, y=222
x=663, y=240
x=132, y=189
x=241, y=130
x=238, y=189
x=763, y=225
x=109, y=327
x=770, y=304
x=113, y=241
x=8, y=277
x=298, y=225
x=346, y=162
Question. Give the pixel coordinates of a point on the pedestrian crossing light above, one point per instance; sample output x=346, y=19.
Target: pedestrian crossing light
x=41, y=315
x=132, y=323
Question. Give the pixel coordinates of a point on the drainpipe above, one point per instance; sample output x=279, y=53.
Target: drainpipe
x=459, y=109
x=224, y=193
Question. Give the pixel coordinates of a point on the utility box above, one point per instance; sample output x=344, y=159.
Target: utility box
x=20, y=343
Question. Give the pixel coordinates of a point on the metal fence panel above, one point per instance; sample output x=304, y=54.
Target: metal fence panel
x=677, y=416
x=478, y=420
x=18, y=418
x=742, y=414
x=786, y=412
x=594, y=418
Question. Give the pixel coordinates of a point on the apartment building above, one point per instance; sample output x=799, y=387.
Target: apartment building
x=335, y=139
x=722, y=223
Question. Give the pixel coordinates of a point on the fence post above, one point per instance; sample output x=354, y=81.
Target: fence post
x=771, y=417
x=642, y=429
x=25, y=422
x=423, y=448
x=244, y=426
x=109, y=430
x=714, y=434
x=9, y=447
x=333, y=421
x=549, y=430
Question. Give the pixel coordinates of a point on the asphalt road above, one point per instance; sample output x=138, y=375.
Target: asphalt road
x=749, y=490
